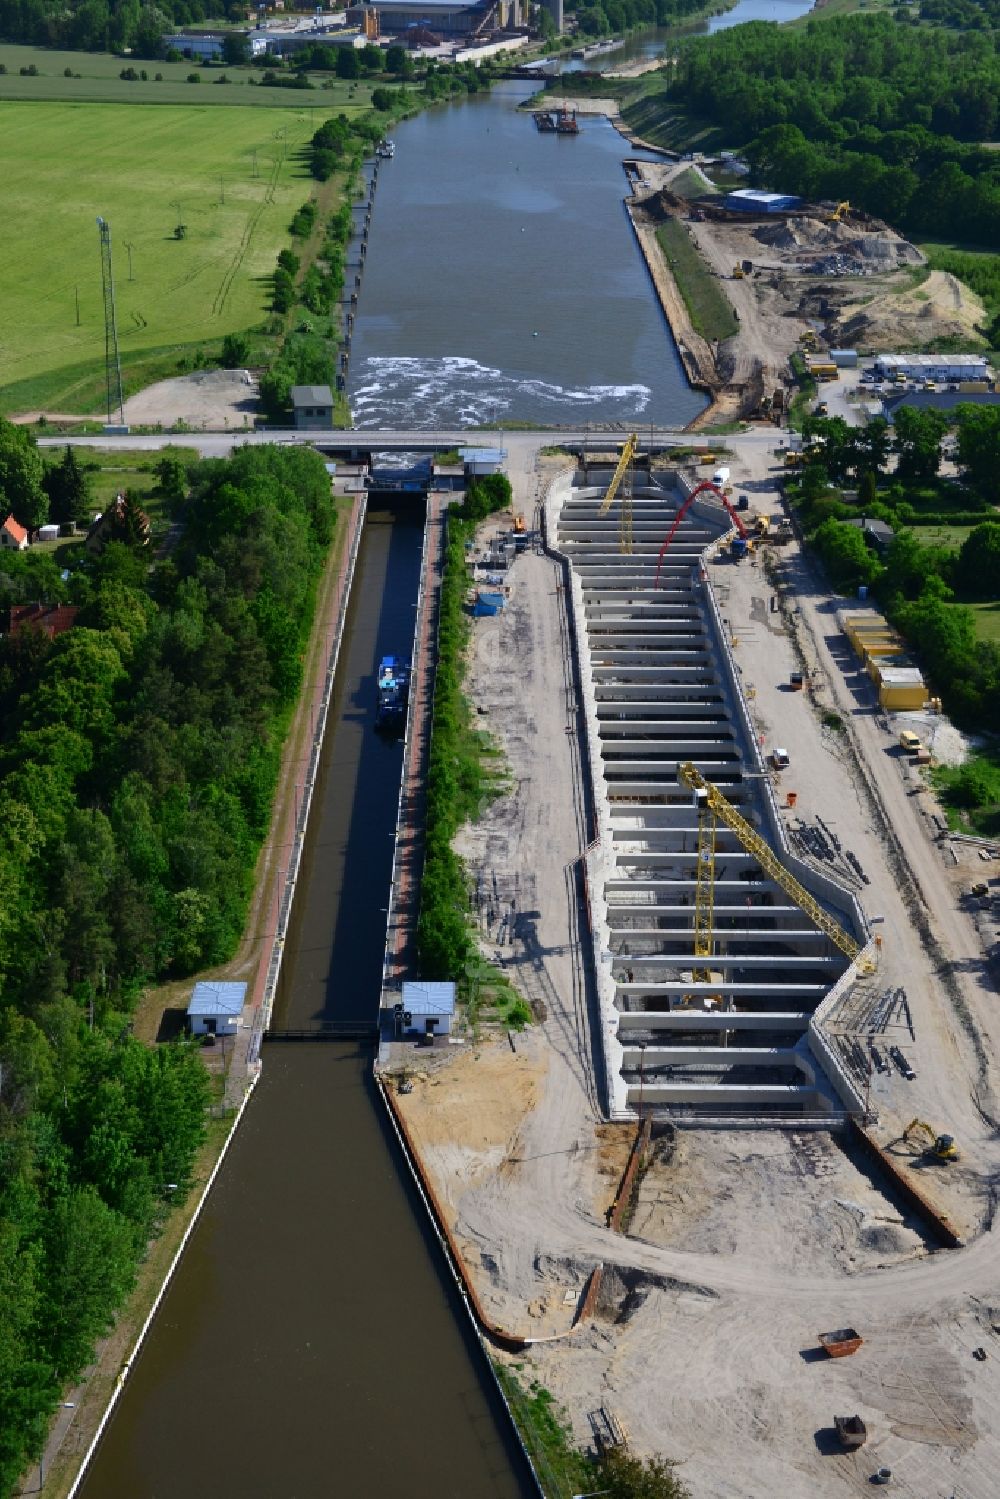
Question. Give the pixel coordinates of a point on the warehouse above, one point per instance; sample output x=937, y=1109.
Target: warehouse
x=932, y=366
x=445, y=18
x=752, y=200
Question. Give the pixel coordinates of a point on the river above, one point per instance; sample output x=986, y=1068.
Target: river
x=503, y=283
x=645, y=45
x=310, y=1342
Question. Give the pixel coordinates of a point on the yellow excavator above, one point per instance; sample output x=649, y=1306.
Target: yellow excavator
x=938, y=1148
x=837, y=216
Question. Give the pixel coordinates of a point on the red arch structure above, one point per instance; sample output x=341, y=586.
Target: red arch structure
x=705, y=484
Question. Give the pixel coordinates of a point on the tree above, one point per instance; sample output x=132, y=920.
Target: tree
x=977, y=573
x=398, y=61
x=151, y=28
x=236, y=49
x=845, y=552
x=383, y=99
x=67, y=488
x=979, y=449
x=918, y=443
x=347, y=63
x=21, y=472
x=622, y=1476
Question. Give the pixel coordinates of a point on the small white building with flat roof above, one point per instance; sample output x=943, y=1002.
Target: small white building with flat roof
x=428, y=1008
x=216, y=1008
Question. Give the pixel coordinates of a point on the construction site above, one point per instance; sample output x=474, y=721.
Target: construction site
x=830, y=272
x=755, y=1105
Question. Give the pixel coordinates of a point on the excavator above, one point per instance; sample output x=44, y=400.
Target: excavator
x=837, y=216
x=938, y=1148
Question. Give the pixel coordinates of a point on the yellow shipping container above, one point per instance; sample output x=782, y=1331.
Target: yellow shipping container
x=901, y=688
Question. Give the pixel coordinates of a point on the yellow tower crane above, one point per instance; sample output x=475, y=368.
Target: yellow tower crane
x=713, y=808
x=622, y=473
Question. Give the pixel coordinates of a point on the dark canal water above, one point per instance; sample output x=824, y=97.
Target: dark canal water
x=504, y=284
x=310, y=1343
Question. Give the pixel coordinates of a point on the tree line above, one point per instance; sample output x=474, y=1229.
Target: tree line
x=109, y=25
x=861, y=107
x=457, y=783
x=924, y=589
x=138, y=759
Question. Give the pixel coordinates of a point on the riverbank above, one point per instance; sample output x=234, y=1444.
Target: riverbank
x=258, y=959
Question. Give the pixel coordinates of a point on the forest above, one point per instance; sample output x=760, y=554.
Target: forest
x=108, y=25
x=604, y=17
x=139, y=752
x=924, y=588
x=865, y=108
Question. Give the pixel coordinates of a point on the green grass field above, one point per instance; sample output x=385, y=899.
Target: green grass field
x=99, y=82
x=143, y=170
x=987, y=621
x=710, y=310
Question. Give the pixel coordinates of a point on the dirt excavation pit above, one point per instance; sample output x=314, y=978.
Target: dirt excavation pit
x=790, y=1197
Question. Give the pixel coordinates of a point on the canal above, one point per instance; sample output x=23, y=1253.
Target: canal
x=310, y=1342
x=503, y=282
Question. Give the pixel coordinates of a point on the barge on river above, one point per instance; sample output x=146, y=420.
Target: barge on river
x=393, y=693
x=559, y=121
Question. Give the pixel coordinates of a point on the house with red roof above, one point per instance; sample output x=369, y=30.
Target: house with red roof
x=13, y=536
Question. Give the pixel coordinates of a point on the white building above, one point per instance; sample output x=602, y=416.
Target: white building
x=933, y=366
x=215, y=1008
x=428, y=1008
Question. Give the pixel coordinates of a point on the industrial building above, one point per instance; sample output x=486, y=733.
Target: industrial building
x=719, y=1020
x=752, y=200
x=201, y=45
x=932, y=366
x=443, y=18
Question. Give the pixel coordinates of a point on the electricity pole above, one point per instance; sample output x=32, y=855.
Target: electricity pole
x=129, y=246
x=112, y=363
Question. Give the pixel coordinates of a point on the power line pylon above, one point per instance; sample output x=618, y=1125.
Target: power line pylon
x=112, y=363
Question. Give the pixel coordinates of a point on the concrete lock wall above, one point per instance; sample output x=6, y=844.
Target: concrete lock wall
x=667, y=688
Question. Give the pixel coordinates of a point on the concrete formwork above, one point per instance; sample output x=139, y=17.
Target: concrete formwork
x=659, y=687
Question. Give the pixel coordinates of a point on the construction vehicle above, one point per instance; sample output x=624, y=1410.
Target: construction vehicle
x=939, y=1147
x=837, y=216
x=793, y=458
x=738, y=273
x=762, y=525
x=713, y=808
x=519, y=526
x=720, y=478
x=622, y=479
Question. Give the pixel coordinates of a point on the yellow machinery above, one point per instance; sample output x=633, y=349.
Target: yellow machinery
x=838, y=213
x=623, y=473
x=738, y=273
x=939, y=1147
x=713, y=808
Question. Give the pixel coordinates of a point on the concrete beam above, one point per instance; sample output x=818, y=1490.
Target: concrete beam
x=779, y=1022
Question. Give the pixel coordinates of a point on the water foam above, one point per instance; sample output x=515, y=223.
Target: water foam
x=408, y=392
